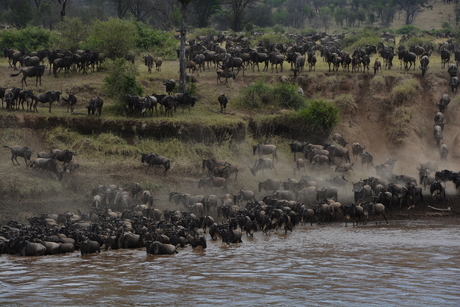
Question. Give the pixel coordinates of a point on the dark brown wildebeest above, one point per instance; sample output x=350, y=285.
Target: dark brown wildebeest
x=223, y=100
x=71, y=101
x=154, y=159
x=95, y=106
x=48, y=97
x=36, y=71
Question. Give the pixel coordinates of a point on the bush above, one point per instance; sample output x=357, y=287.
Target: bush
x=30, y=38
x=360, y=39
x=408, y=29
x=320, y=116
x=280, y=95
x=347, y=104
x=287, y=96
x=378, y=83
x=405, y=91
x=120, y=80
x=115, y=37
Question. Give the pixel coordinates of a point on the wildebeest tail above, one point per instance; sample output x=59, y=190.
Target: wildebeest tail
x=14, y=75
x=6, y=146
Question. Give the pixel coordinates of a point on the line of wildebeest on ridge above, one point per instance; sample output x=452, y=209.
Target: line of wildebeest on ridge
x=130, y=218
x=206, y=51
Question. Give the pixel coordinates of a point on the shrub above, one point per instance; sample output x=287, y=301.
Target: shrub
x=405, y=91
x=347, y=104
x=287, y=96
x=320, y=116
x=378, y=83
x=280, y=95
x=360, y=39
x=30, y=38
x=408, y=29
x=120, y=80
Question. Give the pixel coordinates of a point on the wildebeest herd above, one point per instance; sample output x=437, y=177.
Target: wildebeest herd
x=130, y=217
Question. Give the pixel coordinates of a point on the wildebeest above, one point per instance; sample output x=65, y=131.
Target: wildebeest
x=148, y=61
x=11, y=97
x=36, y=71
x=210, y=164
x=71, y=101
x=338, y=138
x=225, y=73
x=438, y=190
x=265, y=149
x=213, y=182
x=244, y=195
x=269, y=185
x=454, y=83
x=262, y=164
x=336, y=151
x=443, y=152
x=20, y=151
x=223, y=100
x=169, y=103
x=438, y=134
x=408, y=57
x=48, y=165
x=445, y=57
x=296, y=147
x=158, y=61
x=170, y=86
x=377, y=66
x=158, y=248
x=28, y=96
x=311, y=60
x=443, y=103
x=452, y=70
x=357, y=149
x=64, y=62
x=439, y=119
x=275, y=60
x=424, y=61
x=366, y=159
x=185, y=100
x=95, y=106
x=154, y=159
x=353, y=211
x=63, y=155
x=48, y=97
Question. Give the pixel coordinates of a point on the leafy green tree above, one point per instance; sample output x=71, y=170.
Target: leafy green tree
x=115, y=37
x=73, y=32
x=120, y=80
x=20, y=13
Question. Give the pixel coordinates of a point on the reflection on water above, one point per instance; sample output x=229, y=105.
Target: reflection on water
x=401, y=264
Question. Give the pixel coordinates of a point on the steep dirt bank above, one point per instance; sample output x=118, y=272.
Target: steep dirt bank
x=387, y=124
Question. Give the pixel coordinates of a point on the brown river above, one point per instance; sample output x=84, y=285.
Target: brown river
x=405, y=263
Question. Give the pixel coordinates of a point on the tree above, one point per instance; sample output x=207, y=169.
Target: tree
x=20, y=13
x=298, y=11
x=203, y=10
x=73, y=31
x=62, y=4
x=115, y=37
x=237, y=8
x=325, y=15
x=412, y=8
x=183, y=38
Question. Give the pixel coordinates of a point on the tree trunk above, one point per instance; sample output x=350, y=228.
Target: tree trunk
x=182, y=59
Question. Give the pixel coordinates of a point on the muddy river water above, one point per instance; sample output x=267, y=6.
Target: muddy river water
x=405, y=263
